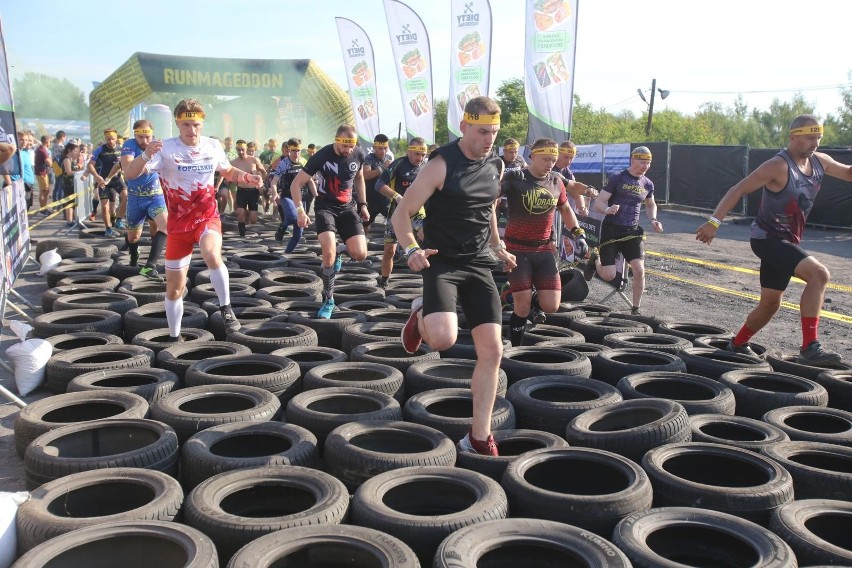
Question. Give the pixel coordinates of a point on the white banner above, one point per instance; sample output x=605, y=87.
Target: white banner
x=551, y=32
x=360, y=68
x=589, y=159
x=410, y=46
x=470, y=56
x=616, y=158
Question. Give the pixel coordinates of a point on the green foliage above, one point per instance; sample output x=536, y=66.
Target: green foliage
x=442, y=131
x=514, y=120
x=42, y=96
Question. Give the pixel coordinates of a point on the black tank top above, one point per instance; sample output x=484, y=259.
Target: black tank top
x=458, y=217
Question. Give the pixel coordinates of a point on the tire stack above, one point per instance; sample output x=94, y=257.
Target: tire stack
x=305, y=441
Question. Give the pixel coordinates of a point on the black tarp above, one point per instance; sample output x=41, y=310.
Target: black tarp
x=700, y=175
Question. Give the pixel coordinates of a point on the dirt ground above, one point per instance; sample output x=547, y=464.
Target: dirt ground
x=677, y=289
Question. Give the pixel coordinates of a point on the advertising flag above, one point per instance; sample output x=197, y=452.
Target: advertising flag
x=410, y=46
x=549, y=67
x=360, y=68
x=470, y=57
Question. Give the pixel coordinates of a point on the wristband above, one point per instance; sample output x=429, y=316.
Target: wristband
x=578, y=232
x=396, y=196
x=300, y=208
x=411, y=249
x=654, y=220
x=714, y=221
x=145, y=156
x=498, y=247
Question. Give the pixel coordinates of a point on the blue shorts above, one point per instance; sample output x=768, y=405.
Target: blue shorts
x=140, y=207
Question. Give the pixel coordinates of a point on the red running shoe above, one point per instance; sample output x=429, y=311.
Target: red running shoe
x=411, y=338
x=487, y=447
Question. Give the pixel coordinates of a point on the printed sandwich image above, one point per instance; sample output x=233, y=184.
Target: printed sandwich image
x=361, y=73
x=470, y=92
x=471, y=47
x=548, y=13
x=413, y=63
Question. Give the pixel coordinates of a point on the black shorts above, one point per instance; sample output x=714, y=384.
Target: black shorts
x=447, y=284
x=341, y=219
x=631, y=248
x=778, y=261
x=248, y=198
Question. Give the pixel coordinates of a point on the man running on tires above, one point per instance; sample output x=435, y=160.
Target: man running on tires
x=460, y=186
x=340, y=165
x=247, y=198
x=186, y=165
x=375, y=164
x=790, y=181
x=106, y=171
x=279, y=191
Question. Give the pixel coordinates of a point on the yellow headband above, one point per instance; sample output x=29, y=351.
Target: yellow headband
x=111, y=131
x=295, y=148
x=380, y=144
x=416, y=148
x=487, y=119
x=345, y=140
x=191, y=115
x=545, y=151
x=568, y=151
x=143, y=131
x=812, y=129
x=510, y=146
x=641, y=156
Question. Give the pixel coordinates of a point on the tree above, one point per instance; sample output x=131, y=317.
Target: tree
x=514, y=120
x=838, y=131
x=44, y=96
x=442, y=131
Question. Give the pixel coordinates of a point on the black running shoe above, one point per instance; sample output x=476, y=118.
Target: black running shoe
x=816, y=356
x=232, y=324
x=590, y=269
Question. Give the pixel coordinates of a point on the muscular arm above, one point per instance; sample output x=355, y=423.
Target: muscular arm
x=834, y=168
x=360, y=187
x=90, y=167
x=772, y=173
x=371, y=173
x=236, y=175
x=569, y=219
x=651, y=208
x=116, y=167
x=428, y=181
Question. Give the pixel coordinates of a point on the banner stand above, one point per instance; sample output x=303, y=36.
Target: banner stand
x=9, y=395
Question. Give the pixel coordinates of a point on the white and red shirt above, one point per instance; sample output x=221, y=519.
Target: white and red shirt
x=186, y=174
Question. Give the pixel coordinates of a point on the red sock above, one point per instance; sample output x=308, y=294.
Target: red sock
x=743, y=336
x=809, y=330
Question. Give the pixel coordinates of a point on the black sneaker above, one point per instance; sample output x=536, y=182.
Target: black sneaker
x=590, y=269
x=172, y=339
x=634, y=311
x=744, y=349
x=232, y=324
x=134, y=257
x=816, y=356
x=537, y=317
x=279, y=233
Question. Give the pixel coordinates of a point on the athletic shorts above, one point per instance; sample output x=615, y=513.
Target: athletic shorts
x=630, y=248
x=341, y=219
x=140, y=208
x=449, y=284
x=534, y=269
x=108, y=192
x=179, y=245
x=778, y=261
x=248, y=198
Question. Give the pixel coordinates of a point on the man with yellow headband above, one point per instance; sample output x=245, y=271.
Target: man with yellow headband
x=790, y=180
x=459, y=187
x=341, y=165
x=511, y=156
x=392, y=184
x=186, y=165
x=145, y=201
x=375, y=164
x=285, y=172
x=106, y=172
x=620, y=201
x=248, y=196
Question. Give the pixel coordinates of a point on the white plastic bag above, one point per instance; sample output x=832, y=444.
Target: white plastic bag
x=9, y=503
x=29, y=358
x=48, y=260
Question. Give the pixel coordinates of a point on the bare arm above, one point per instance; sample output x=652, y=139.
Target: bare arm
x=569, y=219
x=236, y=175
x=136, y=166
x=834, y=168
x=371, y=173
x=66, y=167
x=260, y=167
x=296, y=188
x=600, y=204
x=428, y=181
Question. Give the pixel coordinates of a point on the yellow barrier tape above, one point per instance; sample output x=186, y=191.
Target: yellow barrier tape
x=71, y=204
x=788, y=305
x=831, y=286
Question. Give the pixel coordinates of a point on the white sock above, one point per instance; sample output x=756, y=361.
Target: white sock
x=220, y=281
x=174, y=315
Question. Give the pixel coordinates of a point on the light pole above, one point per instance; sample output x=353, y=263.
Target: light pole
x=663, y=95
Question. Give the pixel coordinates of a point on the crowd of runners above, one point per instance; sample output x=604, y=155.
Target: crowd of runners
x=441, y=207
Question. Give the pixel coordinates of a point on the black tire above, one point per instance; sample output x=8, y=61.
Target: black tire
x=451, y=411
x=713, y=363
x=112, y=301
x=401, y=301
x=445, y=374
x=101, y=444
x=719, y=478
x=523, y=362
x=323, y=410
x=245, y=445
x=72, y=408
x=587, y=488
x=105, y=251
x=758, y=392
x=309, y=357
x=839, y=387
x=463, y=347
x=669, y=537
x=149, y=383
x=64, y=366
x=816, y=529
x=591, y=309
x=69, y=321
x=352, y=292
x=653, y=341
x=653, y=321
x=511, y=444
x=548, y=403
x=237, y=275
x=389, y=314
x=365, y=306
x=736, y=431
x=564, y=315
x=147, y=291
x=75, y=340
x=66, y=248
x=369, y=332
x=721, y=342
x=93, y=497
x=594, y=329
x=277, y=294
x=194, y=409
x=203, y=292
x=329, y=331
x=697, y=394
x=326, y=545
x=820, y=471
x=358, y=451
x=153, y=316
x=268, y=336
x=246, y=316
x=526, y=542
x=49, y=297
x=610, y=366
x=692, y=330
x=237, y=507
x=212, y=306
x=371, y=376
x=269, y=372
x=179, y=357
x=259, y=261
x=787, y=364
x=391, y=353
x=813, y=424
x=422, y=506
x=544, y=332
x=90, y=280
x=290, y=277
x=158, y=339
x=57, y=273
x=590, y=350
x=630, y=428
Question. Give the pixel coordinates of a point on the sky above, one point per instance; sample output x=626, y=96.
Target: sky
x=699, y=51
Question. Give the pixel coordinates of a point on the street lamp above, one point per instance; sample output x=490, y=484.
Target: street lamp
x=663, y=95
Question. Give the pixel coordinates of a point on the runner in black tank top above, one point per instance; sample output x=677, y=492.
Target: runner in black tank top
x=459, y=186
x=790, y=182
